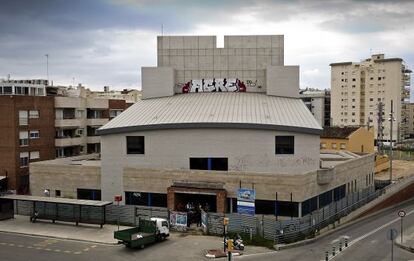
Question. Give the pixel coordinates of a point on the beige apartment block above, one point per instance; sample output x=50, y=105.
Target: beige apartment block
x=358, y=87
x=410, y=119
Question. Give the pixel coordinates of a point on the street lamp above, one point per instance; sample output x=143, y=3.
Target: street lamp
x=391, y=119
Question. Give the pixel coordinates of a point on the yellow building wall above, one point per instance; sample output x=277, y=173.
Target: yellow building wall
x=334, y=144
x=361, y=141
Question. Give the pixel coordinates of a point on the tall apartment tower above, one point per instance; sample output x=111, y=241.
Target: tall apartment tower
x=358, y=87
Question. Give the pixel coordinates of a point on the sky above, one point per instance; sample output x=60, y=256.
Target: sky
x=106, y=42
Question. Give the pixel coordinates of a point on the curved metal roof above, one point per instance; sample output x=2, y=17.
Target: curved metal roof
x=215, y=110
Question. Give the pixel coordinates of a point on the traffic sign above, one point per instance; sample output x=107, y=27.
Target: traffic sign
x=402, y=213
x=392, y=234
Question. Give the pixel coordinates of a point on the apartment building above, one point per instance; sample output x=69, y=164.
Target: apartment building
x=358, y=87
x=78, y=116
x=27, y=130
x=319, y=104
x=410, y=120
x=41, y=122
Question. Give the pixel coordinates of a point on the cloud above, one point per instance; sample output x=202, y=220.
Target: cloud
x=106, y=42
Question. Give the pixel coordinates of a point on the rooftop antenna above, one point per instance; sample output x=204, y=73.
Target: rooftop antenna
x=8, y=77
x=47, y=67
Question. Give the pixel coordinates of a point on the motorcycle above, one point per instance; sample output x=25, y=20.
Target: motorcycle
x=238, y=242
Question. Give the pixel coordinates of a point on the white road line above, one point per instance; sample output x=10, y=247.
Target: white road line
x=369, y=234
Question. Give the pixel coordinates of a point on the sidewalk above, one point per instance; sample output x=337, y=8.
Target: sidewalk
x=63, y=230
x=408, y=240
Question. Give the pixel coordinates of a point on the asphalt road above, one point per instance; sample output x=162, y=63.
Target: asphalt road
x=367, y=242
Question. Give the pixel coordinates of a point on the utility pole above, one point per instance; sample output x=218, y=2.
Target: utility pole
x=380, y=127
x=47, y=67
x=391, y=119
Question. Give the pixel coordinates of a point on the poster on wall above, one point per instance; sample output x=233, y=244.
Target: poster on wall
x=178, y=219
x=214, y=85
x=245, y=201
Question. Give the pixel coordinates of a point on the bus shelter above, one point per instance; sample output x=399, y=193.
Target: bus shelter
x=62, y=209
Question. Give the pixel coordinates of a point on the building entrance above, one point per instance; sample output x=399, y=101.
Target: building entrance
x=192, y=201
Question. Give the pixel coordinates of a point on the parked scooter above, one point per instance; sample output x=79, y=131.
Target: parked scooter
x=238, y=242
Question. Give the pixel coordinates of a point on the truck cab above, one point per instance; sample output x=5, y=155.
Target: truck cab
x=162, y=226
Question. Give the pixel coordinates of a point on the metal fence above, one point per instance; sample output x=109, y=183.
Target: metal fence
x=295, y=229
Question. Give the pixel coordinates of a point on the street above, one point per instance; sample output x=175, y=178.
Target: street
x=367, y=242
x=368, y=239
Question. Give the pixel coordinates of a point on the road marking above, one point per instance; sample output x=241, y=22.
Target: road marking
x=86, y=249
x=11, y=244
x=67, y=251
x=48, y=249
x=57, y=250
x=93, y=246
x=77, y=253
x=20, y=246
x=369, y=234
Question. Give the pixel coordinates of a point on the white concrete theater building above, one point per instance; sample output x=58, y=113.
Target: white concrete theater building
x=210, y=121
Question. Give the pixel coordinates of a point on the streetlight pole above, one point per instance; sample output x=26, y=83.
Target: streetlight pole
x=391, y=119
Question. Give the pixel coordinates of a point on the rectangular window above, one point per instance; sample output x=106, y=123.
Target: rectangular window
x=8, y=90
x=209, y=163
x=333, y=145
x=135, y=144
x=23, y=138
x=89, y=194
x=114, y=113
x=34, y=134
x=343, y=146
x=285, y=144
x=57, y=193
x=24, y=159
x=23, y=118
x=34, y=155
x=33, y=114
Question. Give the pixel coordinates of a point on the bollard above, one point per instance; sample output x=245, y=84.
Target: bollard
x=333, y=250
x=340, y=246
x=346, y=242
x=326, y=255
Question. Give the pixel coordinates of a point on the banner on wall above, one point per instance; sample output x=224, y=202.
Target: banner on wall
x=245, y=201
x=178, y=219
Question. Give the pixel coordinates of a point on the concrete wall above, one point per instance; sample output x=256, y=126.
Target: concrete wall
x=282, y=81
x=361, y=141
x=157, y=82
x=68, y=178
x=64, y=177
x=243, y=57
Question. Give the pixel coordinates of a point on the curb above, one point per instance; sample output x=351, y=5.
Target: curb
x=337, y=228
x=405, y=247
x=61, y=238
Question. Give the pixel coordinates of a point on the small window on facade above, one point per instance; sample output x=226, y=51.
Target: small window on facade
x=57, y=193
x=24, y=159
x=323, y=145
x=34, y=155
x=135, y=145
x=23, y=138
x=33, y=114
x=285, y=144
x=333, y=145
x=34, y=134
x=343, y=146
x=23, y=118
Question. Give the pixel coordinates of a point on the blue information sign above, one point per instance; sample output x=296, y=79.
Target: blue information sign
x=245, y=201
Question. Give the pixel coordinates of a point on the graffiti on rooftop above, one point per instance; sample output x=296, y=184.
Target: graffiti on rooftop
x=214, y=85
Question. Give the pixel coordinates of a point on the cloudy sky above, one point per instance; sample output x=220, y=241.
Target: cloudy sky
x=106, y=42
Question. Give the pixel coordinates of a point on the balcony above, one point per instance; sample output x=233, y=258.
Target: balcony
x=68, y=142
x=68, y=122
x=93, y=139
x=97, y=121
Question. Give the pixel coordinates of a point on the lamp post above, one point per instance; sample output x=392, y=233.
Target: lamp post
x=391, y=119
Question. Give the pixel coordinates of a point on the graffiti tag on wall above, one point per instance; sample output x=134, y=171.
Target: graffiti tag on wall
x=214, y=85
